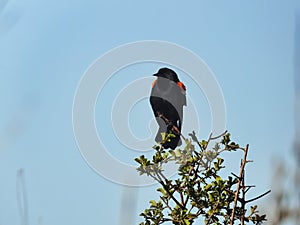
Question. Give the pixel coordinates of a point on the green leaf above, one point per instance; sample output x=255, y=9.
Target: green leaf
x=198, y=180
x=253, y=209
x=153, y=203
x=211, y=197
x=187, y=222
x=138, y=160
x=163, y=136
x=220, y=161
x=203, y=144
x=207, y=187
x=178, y=152
x=163, y=191
x=218, y=179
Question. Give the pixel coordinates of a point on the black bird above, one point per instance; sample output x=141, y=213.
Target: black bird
x=168, y=96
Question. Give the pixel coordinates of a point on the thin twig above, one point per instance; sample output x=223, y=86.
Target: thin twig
x=200, y=211
x=186, y=201
x=166, y=204
x=214, y=138
x=182, y=199
x=235, y=175
x=218, y=136
x=163, y=176
x=213, y=212
x=248, y=187
x=260, y=196
x=233, y=193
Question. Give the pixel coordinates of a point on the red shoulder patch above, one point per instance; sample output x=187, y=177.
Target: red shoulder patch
x=181, y=85
x=153, y=83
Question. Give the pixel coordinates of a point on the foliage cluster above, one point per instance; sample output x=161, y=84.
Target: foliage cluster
x=198, y=191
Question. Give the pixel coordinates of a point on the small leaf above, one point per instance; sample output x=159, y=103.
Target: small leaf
x=218, y=179
x=163, y=191
x=207, y=187
x=138, y=160
x=187, y=222
x=203, y=144
x=253, y=209
x=153, y=203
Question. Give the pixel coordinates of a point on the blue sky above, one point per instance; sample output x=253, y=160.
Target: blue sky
x=45, y=48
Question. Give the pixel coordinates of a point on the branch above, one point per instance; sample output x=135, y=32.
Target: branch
x=173, y=126
x=239, y=184
x=260, y=196
x=168, y=191
x=167, y=204
x=235, y=175
x=243, y=197
x=182, y=199
x=233, y=193
x=186, y=201
x=218, y=136
x=214, y=138
x=248, y=187
x=213, y=212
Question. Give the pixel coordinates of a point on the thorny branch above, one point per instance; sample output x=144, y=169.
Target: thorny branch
x=241, y=178
x=241, y=186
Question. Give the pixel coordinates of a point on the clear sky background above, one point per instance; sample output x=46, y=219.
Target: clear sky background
x=45, y=48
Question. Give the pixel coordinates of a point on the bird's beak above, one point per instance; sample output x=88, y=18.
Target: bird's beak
x=155, y=75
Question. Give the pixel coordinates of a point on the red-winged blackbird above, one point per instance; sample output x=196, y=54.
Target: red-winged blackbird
x=167, y=100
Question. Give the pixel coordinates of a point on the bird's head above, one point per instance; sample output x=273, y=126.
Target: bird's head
x=167, y=73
